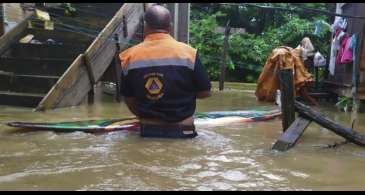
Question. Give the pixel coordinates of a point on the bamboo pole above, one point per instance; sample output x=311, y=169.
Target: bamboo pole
x=225, y=54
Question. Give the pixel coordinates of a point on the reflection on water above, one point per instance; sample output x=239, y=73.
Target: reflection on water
x=231, y=157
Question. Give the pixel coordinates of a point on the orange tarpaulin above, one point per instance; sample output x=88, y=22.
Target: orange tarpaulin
x=282, y=58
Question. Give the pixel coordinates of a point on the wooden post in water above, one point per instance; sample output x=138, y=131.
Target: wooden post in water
x=225, y=54
x=287, y=97
x=316, y=69
x=292, y=128
x=91, y=93
x=2, y=24
x=91, y=96
x=117, y=68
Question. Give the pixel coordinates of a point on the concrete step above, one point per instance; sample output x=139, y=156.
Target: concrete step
x=26, y=83
x=35, y=66
x=61, y=36
x=28, y=50
x=20, y=99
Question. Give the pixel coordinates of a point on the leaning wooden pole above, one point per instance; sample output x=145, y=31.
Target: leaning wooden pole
x=338, y=129
x=287, y=97
x=117, y=66
x=290, y=137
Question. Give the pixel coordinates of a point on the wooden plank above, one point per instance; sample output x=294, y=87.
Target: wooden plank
x=2, y=30
x=292, y=135
x=323, y=95
x=336, y=83
x=338, y=129
x=102, y=51
x=360, y=96
x=287, y=97
x=8, y=38
x=74, y=85
x=132, y=11
x=361, y=55
x=90, y=71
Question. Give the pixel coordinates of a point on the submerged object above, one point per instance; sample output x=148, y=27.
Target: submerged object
x=132, y=124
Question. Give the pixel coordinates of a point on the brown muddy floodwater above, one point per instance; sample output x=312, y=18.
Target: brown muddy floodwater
x=231, y=157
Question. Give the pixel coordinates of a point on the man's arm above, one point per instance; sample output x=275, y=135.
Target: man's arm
x=127, y=91
x=201, y=80
x=203, y=94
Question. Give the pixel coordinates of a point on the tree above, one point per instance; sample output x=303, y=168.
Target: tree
x=266, y=29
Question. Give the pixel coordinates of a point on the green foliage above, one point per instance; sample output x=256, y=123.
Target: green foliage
x=345, y=103
x=266, y=30
x=208, y=43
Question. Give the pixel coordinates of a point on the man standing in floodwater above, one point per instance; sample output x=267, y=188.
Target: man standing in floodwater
x=162, y=78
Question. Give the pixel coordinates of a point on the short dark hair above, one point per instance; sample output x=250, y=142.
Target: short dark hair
x=158, y=17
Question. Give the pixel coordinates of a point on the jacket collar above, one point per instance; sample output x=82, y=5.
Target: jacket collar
x=157, y=36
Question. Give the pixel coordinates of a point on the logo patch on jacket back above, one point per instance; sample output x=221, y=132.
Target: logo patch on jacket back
x=154, y=86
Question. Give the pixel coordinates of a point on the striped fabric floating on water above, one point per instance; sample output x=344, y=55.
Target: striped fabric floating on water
x=132, y=124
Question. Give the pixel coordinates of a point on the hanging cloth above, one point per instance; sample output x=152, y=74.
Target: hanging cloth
x=338, y=40
x=347, y=52
x=341, y=51
x=339, y=23
x=352, y=46
x=332, y=63
x=306, y=48
x=320, y=26
x=319, y=60
x=318, y=29
x=335, y=47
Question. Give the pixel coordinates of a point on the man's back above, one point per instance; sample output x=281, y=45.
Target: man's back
x=164, y=76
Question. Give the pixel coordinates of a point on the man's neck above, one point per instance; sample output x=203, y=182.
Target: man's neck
x=156, y=31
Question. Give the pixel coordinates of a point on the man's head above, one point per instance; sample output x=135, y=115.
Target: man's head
x=157, y=19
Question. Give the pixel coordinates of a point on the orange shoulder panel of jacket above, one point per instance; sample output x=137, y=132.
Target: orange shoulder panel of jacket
x=190, y=49
x=125, y=55
x=160, y=49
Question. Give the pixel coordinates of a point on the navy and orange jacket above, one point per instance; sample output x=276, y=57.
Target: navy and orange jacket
x=164, y=76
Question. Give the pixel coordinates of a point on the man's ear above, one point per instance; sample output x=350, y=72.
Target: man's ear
x=146, y=28
x=170, y=27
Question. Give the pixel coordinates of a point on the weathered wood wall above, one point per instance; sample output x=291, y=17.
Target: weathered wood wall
x=342, y=80
x=357, y=26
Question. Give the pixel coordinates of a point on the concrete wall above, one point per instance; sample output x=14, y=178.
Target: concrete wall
x=12, y=14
